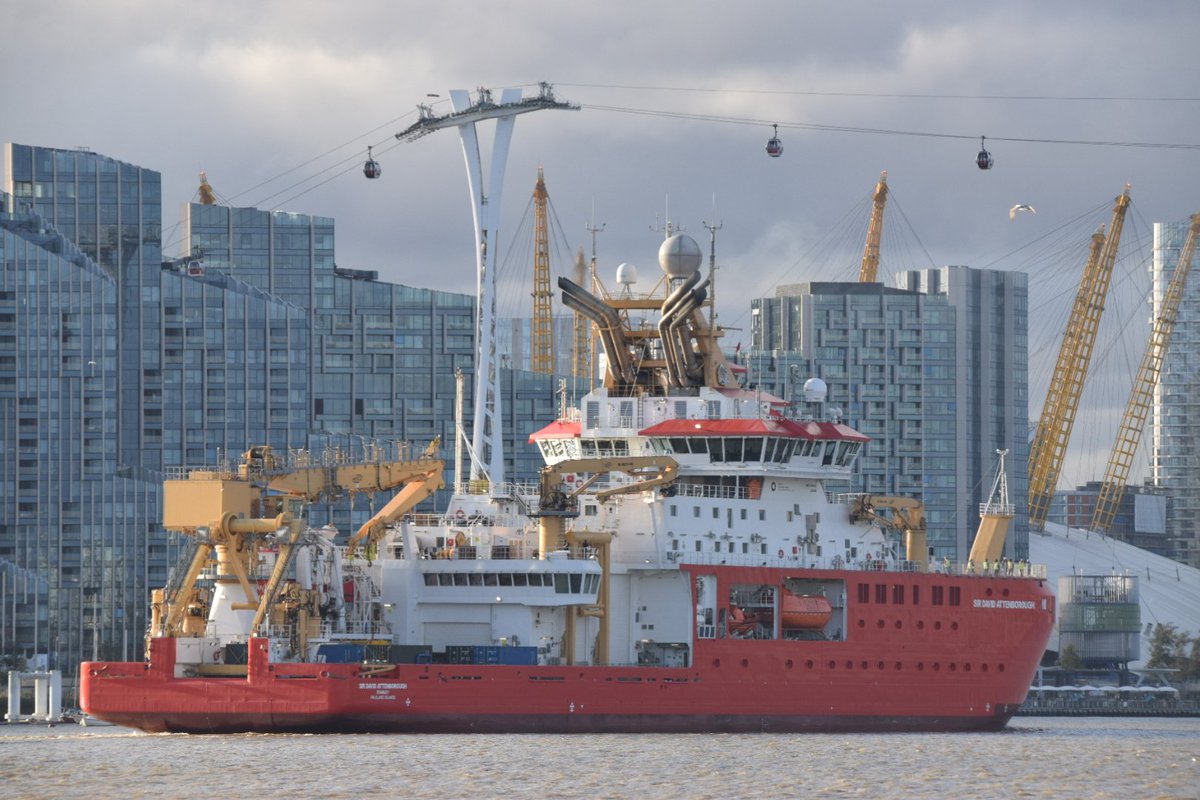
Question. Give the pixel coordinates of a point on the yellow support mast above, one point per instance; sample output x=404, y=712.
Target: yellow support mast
x=1129, y=435
x=542, y=326
x=870, y=260
x=1066, y=385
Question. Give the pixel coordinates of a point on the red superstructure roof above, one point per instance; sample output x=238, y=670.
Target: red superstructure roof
x=755, y=427
x=559, y=429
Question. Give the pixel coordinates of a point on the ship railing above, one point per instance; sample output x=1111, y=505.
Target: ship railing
x=1014, y=569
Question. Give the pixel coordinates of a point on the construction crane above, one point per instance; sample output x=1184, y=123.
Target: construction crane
x=870, y=260
x=207, y=196
x=542, y=327
x=1066, y=385
x=1129, y=435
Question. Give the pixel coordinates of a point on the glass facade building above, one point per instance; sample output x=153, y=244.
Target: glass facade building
x=934, y=372
x=1175, y=460
x=117, y=366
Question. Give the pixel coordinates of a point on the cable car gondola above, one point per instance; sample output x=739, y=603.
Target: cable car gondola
x=774, y=146
x=984, y=159
x=371, y=169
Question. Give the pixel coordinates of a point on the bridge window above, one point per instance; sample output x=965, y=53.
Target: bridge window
x=864, y=593
x=916, y=594
x=881, y=593
x=898, y=594
x=938, y=595
x=955, y=595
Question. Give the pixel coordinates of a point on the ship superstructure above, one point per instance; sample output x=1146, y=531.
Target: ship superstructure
x=679, y=566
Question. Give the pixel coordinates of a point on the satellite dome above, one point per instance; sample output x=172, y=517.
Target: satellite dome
x=680, y=256
x=626, y=274
x=815, y=390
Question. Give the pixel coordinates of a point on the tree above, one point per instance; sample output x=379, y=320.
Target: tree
x=1069, y=658
x=1168, y=648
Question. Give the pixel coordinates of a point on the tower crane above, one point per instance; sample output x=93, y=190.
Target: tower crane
x=1129, y=435
x=542, y=325
x=1066, y=385
x=870, y=259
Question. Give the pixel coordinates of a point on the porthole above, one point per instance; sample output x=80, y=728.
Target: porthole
x=920, y=624
x=966, y=667
x=832, y=664
x=989, y=591
x=899, y=666
x=879, y=623
x=920, y=666
x=953, y=626
x=1005, y=593
x=899, y=624
x=983, y=667
x=788, y=664
x=937, y=626
x=937, y=667
x=862, y=623
x=808, y=664
x=716, y=662
x=880, y=665
x=953, y=667
x=849, y=665
x=864, y=665
x=1000, y=667
x=745, y=662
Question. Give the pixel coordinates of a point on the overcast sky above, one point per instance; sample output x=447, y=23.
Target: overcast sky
x=278, y=101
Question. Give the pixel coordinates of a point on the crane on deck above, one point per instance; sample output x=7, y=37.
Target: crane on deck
x=1129, y=435
x=1066, y=385
x=542, y=333
x=870, y=260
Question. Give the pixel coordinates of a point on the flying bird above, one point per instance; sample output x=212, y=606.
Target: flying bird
x=1012, y=212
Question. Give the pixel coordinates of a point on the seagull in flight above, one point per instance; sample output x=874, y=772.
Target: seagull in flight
x=1012, y=212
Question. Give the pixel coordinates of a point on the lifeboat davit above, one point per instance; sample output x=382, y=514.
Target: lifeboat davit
x=806, y=612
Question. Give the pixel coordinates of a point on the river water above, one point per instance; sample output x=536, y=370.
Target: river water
x=1035, y=757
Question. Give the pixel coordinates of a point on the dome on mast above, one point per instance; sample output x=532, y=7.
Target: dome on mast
x=680, y=256
x=627, y=274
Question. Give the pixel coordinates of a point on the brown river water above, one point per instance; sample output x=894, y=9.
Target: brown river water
x=1035, y=757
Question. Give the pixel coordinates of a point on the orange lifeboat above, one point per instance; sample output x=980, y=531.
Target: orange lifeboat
x=804, y=611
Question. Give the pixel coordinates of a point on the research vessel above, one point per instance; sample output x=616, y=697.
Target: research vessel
x=679, y=566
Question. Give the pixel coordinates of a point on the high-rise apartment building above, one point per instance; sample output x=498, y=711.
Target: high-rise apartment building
x=989, y=398
x=887, y=357
x=117, y=366
x=1176, y=411
x=934, y=372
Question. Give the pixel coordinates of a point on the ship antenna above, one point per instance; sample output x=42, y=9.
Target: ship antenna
x=712, y=228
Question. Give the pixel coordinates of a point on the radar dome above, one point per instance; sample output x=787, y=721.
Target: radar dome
x=680, y=256
x=627, y=274
x=815, y=390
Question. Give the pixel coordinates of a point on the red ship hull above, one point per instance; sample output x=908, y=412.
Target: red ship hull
x=901, y=668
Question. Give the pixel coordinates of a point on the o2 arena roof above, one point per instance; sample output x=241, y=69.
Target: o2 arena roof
x=1169, y=591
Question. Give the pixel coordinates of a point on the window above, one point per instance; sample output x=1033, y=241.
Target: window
x=864, y=593
x=938, y=595
x=881, y=593
x=898, y=594
x=955, y=595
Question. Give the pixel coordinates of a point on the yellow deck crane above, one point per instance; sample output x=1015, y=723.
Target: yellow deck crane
x=1129, y=435
x=1066, y=385
x=542, y=333
x=234, y=514
x=870, y=260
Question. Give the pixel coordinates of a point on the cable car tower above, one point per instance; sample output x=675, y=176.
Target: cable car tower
x=487, y=442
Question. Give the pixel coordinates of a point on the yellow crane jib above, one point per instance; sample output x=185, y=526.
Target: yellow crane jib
x=904, y=514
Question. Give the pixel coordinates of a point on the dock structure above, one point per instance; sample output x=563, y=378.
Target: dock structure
x=47, y=696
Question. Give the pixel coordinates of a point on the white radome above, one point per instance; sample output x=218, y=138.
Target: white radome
x=680, y=256
x=626, y=274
